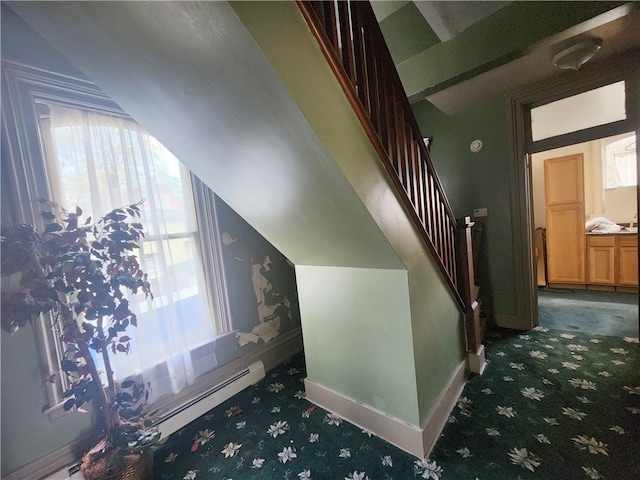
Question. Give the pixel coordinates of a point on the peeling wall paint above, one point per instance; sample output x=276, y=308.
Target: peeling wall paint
x=260, y=281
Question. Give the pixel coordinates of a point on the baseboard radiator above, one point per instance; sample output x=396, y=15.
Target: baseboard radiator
x=181, y=416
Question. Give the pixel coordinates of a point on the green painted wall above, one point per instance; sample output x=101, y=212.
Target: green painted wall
x=476, y=180
x=27, y=433
x=435, y=346
x=503, y=35
x=20, y=42
x=407, y=33
x=354, y=323
x=418, y=314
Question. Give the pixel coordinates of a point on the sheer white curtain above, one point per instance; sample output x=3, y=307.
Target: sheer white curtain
x=98, y=163
x=625, y=169
x=620, y=162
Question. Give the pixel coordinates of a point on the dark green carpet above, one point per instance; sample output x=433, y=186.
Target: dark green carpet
x=589, y=311
x=551, y=405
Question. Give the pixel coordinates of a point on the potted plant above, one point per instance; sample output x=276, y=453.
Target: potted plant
x=76, y=275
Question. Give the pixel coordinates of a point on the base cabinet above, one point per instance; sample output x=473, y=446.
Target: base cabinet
x=627, y=253
x=612, y=262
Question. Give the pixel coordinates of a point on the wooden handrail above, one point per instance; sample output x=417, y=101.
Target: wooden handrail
x=351, y=40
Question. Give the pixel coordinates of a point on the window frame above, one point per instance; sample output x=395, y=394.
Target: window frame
x=26, y=177
x=630, y=136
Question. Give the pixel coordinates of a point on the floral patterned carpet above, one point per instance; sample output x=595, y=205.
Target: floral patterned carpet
x=550, y=405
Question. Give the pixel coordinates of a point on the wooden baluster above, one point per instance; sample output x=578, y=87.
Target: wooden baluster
x=421, y=186
x=353, y=43
x=412, y=167
x=384, y=112
x=391, y=124
x=347, y=44
x=359, y=57
x=417, y=182
x=404, y=149
x=429, y=205
x=445, y=243
x=399, y=138
x=443, y=229
x=328, y=17
x=437, y=229
x=373, y=86
x=451, y=243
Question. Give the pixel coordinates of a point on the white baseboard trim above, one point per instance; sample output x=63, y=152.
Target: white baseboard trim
x=439, y=414
x=477, y=361
x=394, y=430
x=271, y=355
x=410, y=438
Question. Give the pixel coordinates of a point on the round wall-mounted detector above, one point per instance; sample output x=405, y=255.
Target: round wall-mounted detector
x=475, y=146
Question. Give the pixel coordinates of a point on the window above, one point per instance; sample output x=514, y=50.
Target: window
x=586, y=110
x=89, y=153
x=620, y=162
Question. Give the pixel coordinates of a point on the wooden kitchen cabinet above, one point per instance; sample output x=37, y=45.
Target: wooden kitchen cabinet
x=601, y=259
x=627, y=266
x=564, y=201
x=612, y=262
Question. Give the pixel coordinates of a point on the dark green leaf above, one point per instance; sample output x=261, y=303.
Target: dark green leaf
x=69, y=366
x=52, y=227
x=72, y=224
x=88, y=327
x=97, y=345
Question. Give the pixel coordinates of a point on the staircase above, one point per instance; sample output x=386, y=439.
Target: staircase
x=351, y=40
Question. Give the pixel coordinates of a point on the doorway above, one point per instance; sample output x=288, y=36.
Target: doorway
x=524, y=145
x=602, y=303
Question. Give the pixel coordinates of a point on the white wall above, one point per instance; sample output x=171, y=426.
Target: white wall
x=620, y=204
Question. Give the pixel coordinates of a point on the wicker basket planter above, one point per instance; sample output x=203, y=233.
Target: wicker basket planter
x=103, y=466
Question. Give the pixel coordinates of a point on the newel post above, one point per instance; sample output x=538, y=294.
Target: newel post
x=469, y=293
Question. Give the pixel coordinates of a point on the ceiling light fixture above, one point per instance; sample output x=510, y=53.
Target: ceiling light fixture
x=573, y=57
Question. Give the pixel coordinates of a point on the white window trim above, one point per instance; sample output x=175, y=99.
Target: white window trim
x=23, y=87
x=212, y=257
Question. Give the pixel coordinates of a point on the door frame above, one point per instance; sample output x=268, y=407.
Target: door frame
x=521, y=146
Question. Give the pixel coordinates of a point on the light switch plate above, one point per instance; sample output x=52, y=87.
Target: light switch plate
x=480, y=212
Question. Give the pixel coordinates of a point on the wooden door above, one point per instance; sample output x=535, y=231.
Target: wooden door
x=564, y=198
